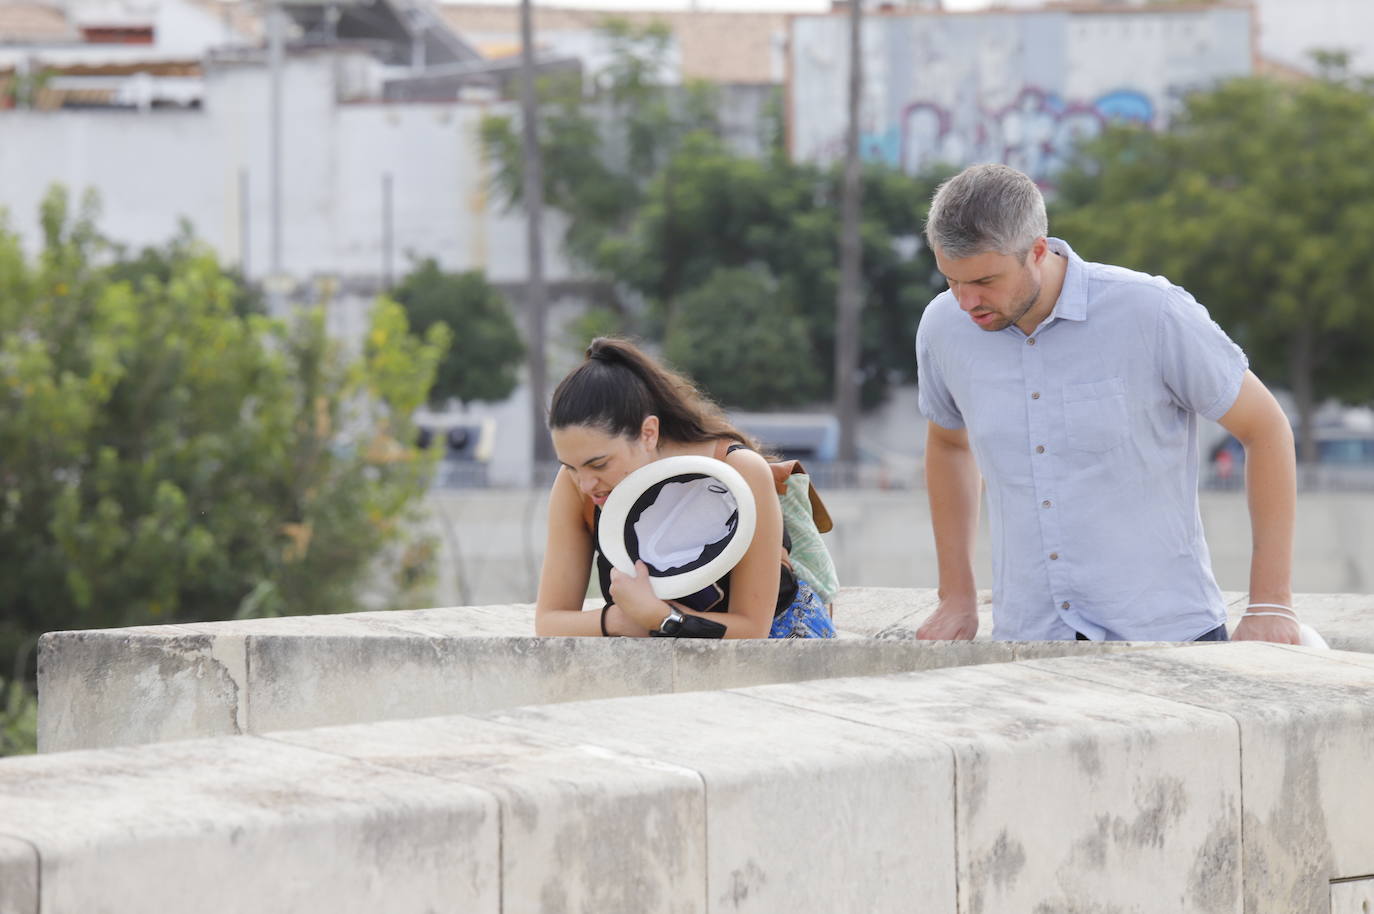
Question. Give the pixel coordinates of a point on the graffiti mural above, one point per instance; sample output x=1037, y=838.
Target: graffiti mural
x=1022, y=87
x=1035, y=133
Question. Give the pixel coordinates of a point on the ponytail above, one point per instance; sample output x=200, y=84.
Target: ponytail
x=618, y=386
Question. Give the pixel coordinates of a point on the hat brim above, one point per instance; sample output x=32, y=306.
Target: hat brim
x=615, y=516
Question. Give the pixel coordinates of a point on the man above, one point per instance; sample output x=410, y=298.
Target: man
x=1075, y=388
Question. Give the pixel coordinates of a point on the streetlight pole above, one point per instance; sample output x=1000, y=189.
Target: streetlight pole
x=536, y=295
x=850, y=304
x=275, y=61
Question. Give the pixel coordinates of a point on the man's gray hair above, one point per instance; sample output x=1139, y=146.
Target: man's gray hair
x=983, y=209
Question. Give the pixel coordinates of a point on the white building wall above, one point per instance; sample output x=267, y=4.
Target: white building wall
x=148, y=170
x=153, y=167
x=183, y=29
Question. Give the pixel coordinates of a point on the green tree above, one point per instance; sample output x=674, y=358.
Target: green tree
x=169, y=459
x=740, y=336
x=604, y=140
x=483, y=362
x=1257, y=201
x=159, y=262
x=658, y=205
x=710, y=209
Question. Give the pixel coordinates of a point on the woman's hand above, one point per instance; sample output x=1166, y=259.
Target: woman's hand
x=620, y=625
x=635, y=596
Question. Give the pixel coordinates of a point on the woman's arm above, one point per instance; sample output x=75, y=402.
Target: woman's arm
x=567, y=569
x=753, y=581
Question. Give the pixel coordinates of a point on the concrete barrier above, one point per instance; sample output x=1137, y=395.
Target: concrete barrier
x=242, y=825
x=1226, y=778
x=1306, y=728
x=118, y=687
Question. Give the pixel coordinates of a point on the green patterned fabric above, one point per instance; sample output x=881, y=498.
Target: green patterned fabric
x=810, y=559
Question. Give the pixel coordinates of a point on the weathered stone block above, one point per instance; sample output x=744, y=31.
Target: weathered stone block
x=306, y=681
x=119, y=687
x=804, y=811
x=1065, y=794
x=582, y=828
x=18, y=876
x=242, y=824
x=1306, y=723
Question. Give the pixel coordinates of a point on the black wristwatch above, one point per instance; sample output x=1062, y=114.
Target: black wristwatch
x=671, y=622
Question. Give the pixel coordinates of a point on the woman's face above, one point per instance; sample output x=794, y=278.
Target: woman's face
x=599, y=461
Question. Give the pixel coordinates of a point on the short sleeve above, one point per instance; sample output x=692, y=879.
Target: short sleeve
x=1201, y=366
x=933, y=396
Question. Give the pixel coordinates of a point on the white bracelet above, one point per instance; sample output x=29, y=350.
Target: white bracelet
x=1287, y=613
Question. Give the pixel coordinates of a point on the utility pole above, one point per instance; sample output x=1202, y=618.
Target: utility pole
x=850, y=304
x=276, y=61
x=536, y=296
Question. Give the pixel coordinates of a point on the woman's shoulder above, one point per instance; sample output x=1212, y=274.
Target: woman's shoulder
x=750, y=463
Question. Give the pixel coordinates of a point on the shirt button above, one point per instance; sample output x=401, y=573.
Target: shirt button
x=1054, y=556
x=1045, y=503
x=1035, y=395
x=1064, y=605
x=1030, y=342
x=1039, y=449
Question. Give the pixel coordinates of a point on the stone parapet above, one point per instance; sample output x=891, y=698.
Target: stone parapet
x=1219, y=778
x=117, y=687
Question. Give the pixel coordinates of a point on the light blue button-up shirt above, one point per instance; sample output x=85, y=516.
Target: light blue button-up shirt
x=1086, y=435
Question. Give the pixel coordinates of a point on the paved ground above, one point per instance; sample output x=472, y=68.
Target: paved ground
x=492, y=542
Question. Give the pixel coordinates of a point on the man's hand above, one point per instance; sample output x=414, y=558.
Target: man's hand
x=1279, y=629
x=955, y=619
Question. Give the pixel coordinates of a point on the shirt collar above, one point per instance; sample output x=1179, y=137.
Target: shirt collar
x=1073, y=296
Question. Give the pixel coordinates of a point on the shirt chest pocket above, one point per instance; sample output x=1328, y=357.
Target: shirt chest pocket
x=1095, y=418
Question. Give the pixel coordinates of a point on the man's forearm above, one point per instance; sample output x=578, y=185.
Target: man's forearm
x=1271, y=486
x=952, y=484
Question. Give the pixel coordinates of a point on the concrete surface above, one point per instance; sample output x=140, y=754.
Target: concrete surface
x=1066, y=795
x=493, y=539
x=1219, y=778
x=1306, y=722
x=18, y=876
x=117, y=687
x=233, y=825
x=99, y=689
x=582, y=829
x=805, y=812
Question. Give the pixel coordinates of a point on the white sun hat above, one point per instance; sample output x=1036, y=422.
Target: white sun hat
x=689, y=519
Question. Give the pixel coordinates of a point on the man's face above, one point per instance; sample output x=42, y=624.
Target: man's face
x=995, y=290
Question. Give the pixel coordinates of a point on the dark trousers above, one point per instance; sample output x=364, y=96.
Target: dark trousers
x=1216, y=634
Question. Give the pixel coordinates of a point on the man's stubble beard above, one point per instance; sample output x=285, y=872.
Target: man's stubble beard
x=1021, y=311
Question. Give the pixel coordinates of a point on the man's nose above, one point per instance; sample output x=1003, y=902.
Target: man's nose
x=967, y=296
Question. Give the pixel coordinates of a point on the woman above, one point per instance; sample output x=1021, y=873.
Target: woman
x=614, y=413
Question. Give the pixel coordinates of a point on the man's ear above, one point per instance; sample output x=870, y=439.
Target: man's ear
x=1039, y=250
x=648, y=432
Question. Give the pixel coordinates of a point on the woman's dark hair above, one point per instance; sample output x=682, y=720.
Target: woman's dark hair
x=618, y=386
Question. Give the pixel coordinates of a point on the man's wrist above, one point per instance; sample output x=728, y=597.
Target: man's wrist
x=958, y=596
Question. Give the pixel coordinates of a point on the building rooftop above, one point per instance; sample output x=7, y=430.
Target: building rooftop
x=725, y=47
x=26, y=23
